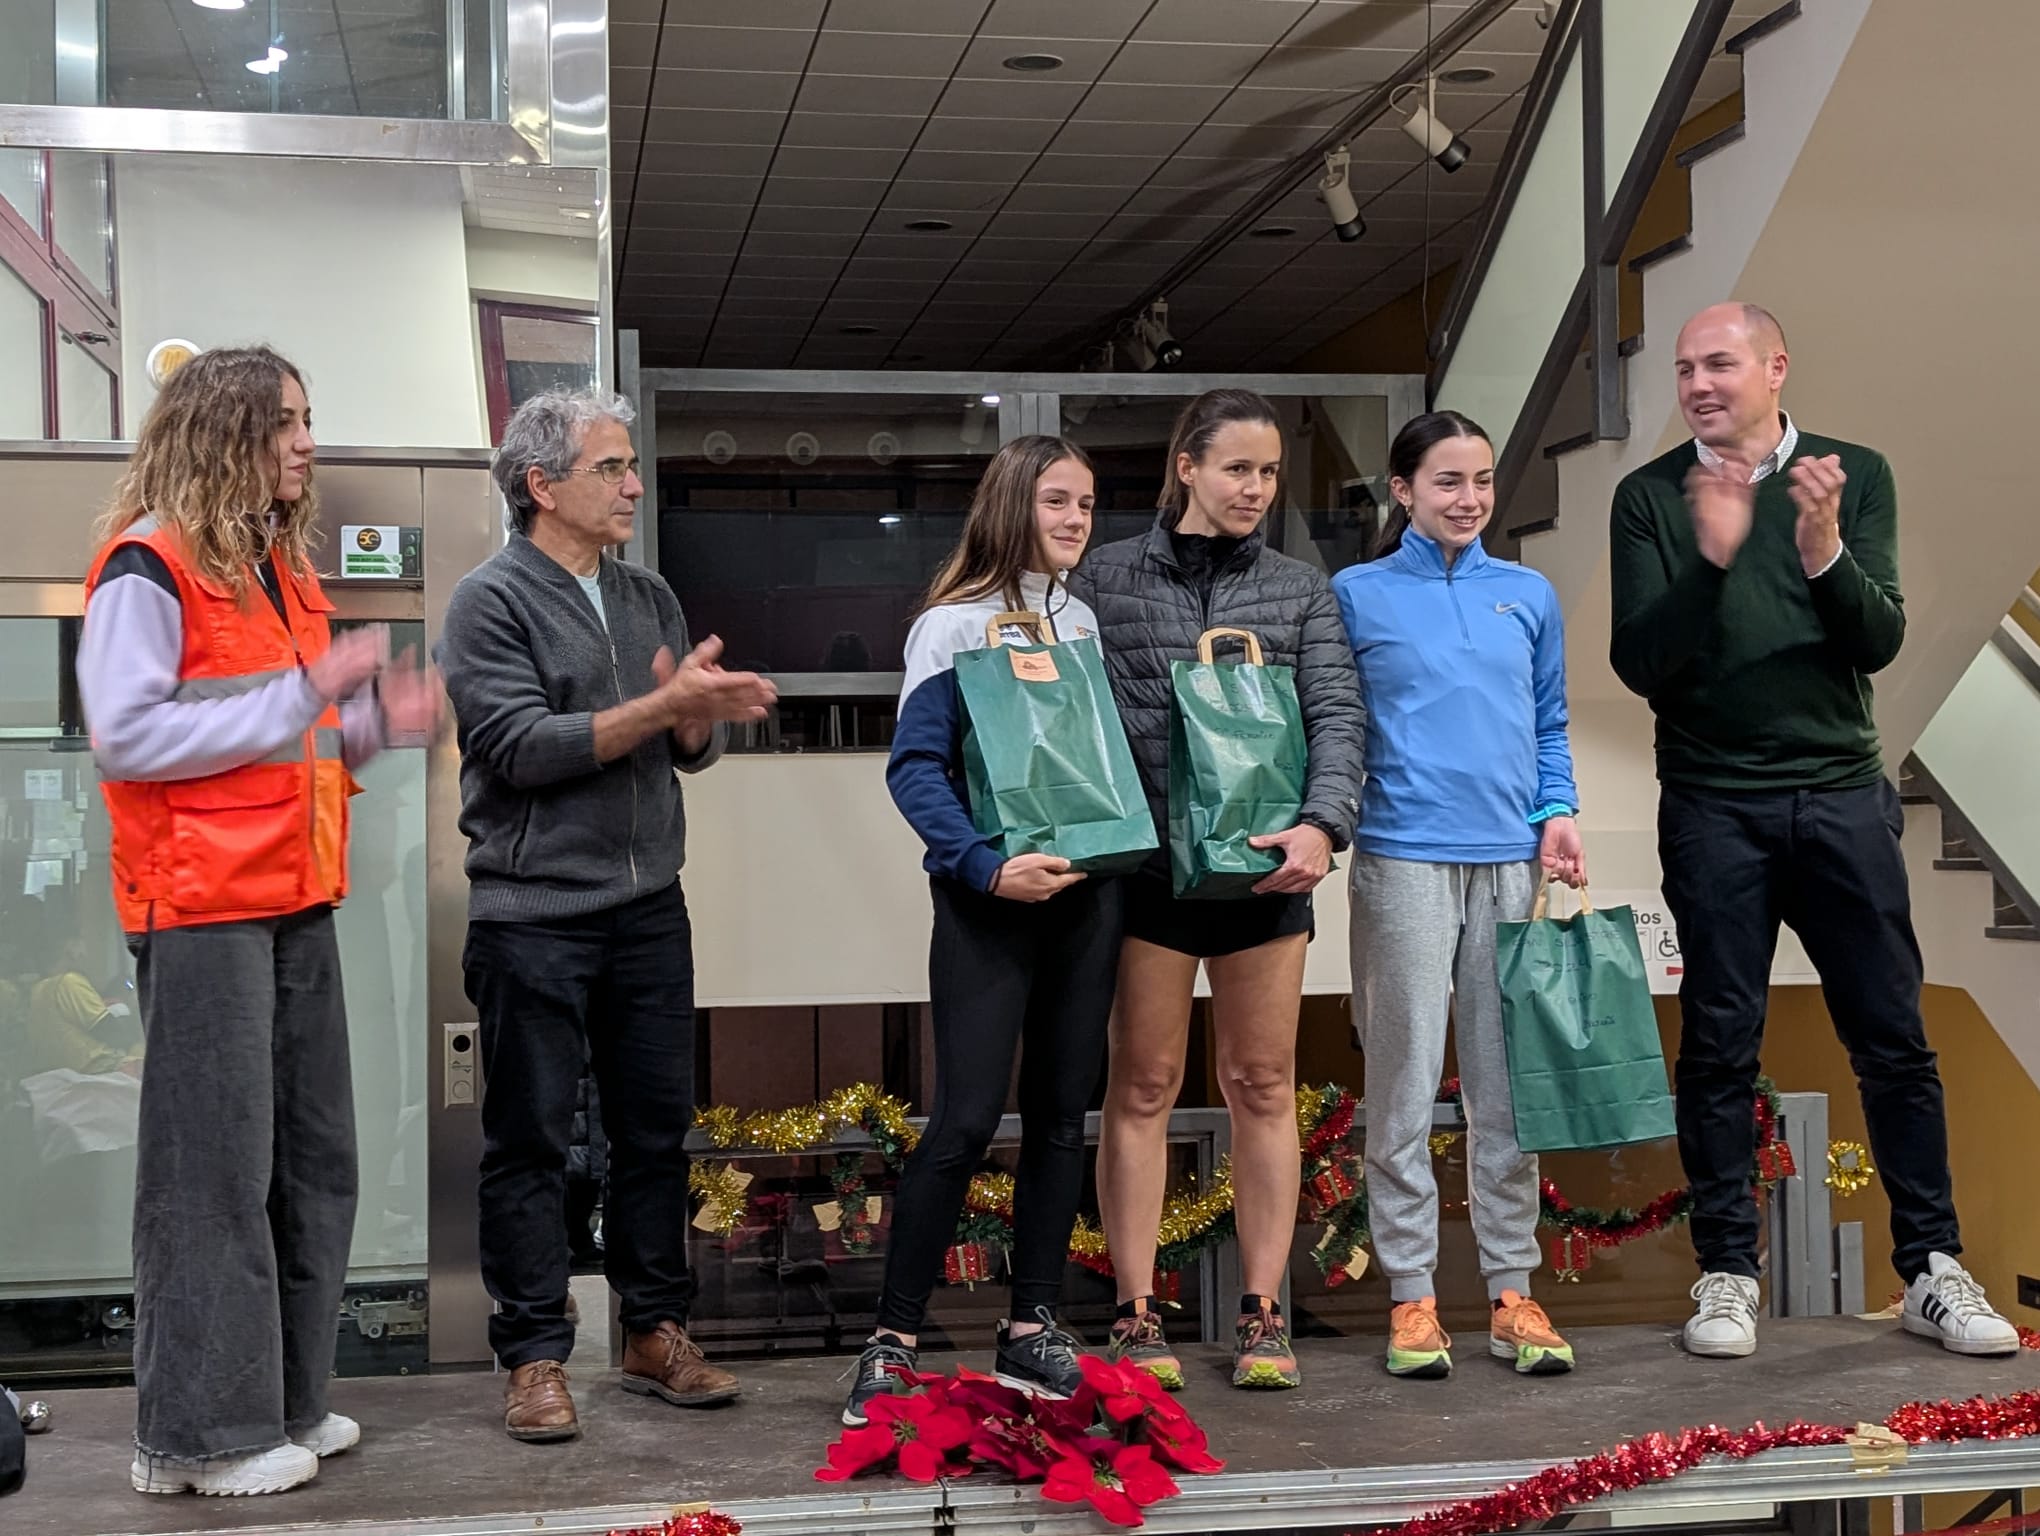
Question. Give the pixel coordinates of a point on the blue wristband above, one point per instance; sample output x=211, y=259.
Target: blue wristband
x=1544, y=813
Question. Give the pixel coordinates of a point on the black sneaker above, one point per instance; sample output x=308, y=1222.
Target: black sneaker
x=882, y=1357
x=1041, y=1364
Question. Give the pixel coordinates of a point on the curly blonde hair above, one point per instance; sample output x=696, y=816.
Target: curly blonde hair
x=204, y=467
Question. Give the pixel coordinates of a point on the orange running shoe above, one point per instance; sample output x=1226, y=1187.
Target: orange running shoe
x=1522, y=1334
x=1417, y=1345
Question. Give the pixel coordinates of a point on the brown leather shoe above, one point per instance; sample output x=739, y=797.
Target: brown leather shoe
x=668, y=1364
x=537, y=1404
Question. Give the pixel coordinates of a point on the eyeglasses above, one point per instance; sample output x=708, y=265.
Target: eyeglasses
x=611, y=470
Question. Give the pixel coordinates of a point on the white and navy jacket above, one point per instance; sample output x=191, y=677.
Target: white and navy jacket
x=925, y=773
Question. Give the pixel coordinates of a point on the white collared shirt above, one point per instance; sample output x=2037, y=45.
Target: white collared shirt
x=1772, y=463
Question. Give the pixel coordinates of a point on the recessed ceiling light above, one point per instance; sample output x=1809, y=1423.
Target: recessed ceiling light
x=1272, y=232
x=269, y=65
x=926, y=225
x=890, y=519
x=1467, y=74
x=856, y=330
x=988, y=399
x=1034, y=63
x=222, y=5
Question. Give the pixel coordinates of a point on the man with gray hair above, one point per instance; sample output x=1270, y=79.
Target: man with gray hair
x=575, y=721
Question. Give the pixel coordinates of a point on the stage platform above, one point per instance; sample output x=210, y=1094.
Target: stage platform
x=1353, y=1447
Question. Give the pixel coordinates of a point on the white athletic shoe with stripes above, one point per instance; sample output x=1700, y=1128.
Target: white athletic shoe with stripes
x=1947, y=1304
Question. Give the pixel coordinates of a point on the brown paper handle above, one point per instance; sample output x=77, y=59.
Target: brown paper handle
x=1022, y=619
x=1246, y=637
x=1539, y=911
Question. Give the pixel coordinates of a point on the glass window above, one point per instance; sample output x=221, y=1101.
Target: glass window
x=72, y=1057
x=527, y=350
x=83, y=216
x=23, y=386
x=803, y=529
x=84, y=394
x=352, y=58
x=21, y=173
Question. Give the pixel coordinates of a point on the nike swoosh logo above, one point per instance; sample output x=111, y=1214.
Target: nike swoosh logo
x=1505, y=607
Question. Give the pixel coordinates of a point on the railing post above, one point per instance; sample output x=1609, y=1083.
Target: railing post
x=1604, y=372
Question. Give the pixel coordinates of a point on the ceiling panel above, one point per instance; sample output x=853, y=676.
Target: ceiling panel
x=769, y=169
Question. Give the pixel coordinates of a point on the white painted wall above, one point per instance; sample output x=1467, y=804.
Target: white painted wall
x=356, y=272
x=805, y=886
x=532, y=269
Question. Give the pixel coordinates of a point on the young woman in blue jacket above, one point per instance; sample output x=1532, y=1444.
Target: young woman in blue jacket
x=1467, y=810
x=1025, y=953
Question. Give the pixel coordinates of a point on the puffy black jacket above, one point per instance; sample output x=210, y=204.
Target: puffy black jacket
x=1151, y=612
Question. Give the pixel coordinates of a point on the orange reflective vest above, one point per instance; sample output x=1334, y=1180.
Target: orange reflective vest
x=263, y=840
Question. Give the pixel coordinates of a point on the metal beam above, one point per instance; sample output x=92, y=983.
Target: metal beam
x=299, y=136
x=876, y=381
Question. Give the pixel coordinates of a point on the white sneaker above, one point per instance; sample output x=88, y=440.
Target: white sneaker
x=330, y=1436
x=1947, y=1304
x=269, y=1471
x=1725, y=1324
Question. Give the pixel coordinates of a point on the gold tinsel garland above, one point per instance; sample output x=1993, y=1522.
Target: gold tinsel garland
x=808, y=1126
x=1849, y=1170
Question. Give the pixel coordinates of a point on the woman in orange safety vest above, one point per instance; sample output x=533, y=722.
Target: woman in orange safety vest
x=225, y=722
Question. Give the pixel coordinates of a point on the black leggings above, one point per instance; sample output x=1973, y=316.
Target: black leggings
x=999, y=973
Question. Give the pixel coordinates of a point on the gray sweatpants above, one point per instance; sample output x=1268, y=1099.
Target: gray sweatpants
x=1424, y=953
x=244, y=1183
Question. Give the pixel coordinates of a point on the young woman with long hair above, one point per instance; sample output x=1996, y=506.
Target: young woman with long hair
x=1468, y=810
x=225, y=725
x=1024, y=949
x=1206, y=564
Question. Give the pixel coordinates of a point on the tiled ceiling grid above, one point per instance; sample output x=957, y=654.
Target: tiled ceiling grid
x=766, y=174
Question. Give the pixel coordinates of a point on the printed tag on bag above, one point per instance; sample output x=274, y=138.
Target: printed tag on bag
x=1034, y=666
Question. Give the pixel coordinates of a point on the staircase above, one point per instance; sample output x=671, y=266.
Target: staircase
x=1790, y=57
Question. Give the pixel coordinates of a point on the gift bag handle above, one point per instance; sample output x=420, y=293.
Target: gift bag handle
x=1538, y=912
x=1247, y=638
x=1022, y=619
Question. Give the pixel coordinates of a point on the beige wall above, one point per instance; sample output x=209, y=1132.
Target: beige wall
x=1898, y=256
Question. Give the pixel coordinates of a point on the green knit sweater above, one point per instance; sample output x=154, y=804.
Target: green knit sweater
x=1759, y=677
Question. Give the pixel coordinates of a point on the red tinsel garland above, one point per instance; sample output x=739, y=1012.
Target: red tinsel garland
x=703, y=1523
x=1656, y=1458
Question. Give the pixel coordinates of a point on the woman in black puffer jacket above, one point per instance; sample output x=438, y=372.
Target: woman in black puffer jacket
x=1204, y=565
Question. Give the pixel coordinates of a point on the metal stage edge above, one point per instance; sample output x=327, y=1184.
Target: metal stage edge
x=1353, y=1497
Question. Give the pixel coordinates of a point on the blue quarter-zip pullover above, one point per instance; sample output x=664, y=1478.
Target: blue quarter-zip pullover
x=1462, y=669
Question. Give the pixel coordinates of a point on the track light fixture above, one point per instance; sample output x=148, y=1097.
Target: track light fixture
x=1337, y=195
x=1436, y=140
x=1146, y=339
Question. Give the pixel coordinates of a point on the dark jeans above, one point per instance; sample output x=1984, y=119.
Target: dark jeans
x=1005, y=978
x=1828, y=863
x=244, y=1182
x=614, y=988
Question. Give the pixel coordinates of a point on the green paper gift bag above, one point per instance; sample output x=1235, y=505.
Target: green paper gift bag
x=1585, y=1066
x=1237, y=763
x=1046, y=764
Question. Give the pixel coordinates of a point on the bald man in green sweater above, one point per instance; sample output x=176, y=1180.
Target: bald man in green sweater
x=1755, y=573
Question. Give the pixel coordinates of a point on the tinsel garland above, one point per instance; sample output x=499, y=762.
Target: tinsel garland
x=1657, y=1458
x=705, y=1522
x=1193, y=1219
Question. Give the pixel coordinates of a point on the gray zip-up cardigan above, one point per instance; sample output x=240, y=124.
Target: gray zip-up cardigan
x=552, y=833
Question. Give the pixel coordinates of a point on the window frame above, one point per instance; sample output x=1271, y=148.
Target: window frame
x=490, y=315
x=71, y=306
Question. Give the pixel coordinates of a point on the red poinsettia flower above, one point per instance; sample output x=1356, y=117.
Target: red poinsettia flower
x=920, y=1430
x=1125, y=1392
x=1181, y=1443
x=1118, y=1481
x=1020, y=1446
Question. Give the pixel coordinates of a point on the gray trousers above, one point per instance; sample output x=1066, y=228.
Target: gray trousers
x=244, y=1183
x=1424, y=955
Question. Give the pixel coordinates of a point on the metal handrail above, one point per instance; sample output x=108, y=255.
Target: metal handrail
x=1963, y=827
